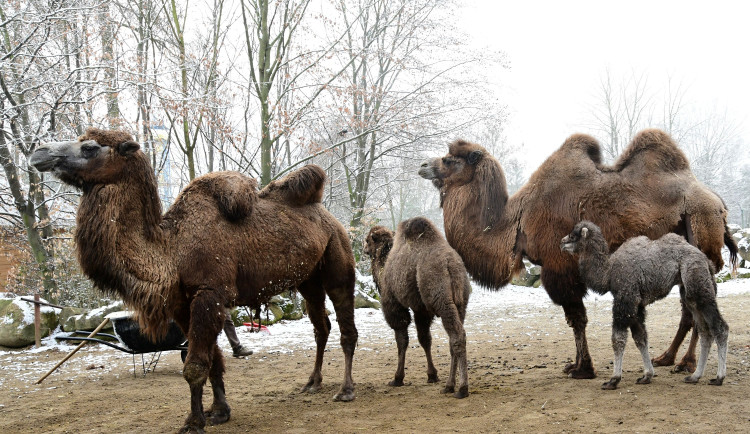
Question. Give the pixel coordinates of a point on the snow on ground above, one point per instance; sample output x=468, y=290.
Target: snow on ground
x=487, y=309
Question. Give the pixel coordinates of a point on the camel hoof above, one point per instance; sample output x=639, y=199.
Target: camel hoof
x=344, y=396
x=569, y=367
x=690, y=380
x=217, y=417
x=187, y=429
x=643, y=380
x=663, y=360
x=716, y=381
x=581, y=374
x=463, y=392
x=432, y=378
x=396, y=382
x=611, y=384
x=684, y=367
x=311, y=387
x=448, y=389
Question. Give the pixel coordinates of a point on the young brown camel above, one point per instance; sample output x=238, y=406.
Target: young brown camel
x=419, y=270
x=220, y=244
x=637, y=274
x=649, y=191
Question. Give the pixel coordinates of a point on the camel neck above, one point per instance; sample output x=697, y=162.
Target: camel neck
x=487, y=251
x=594, y=264
x=119, y=241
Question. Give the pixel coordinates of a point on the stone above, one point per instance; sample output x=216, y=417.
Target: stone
x=90, y=320
x=17, y=323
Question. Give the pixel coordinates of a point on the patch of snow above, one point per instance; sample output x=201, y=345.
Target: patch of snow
x=487, y=310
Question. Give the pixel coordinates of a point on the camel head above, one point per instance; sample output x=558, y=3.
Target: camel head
x=574, y=241
x=97, y=157
x=378, y=242
x=468, y=164
x=455, y=168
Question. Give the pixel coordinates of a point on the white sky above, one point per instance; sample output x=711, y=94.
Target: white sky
x=558, y=50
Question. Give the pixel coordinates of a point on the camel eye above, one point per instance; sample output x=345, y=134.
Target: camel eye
x=89, y=149
x=447, y=161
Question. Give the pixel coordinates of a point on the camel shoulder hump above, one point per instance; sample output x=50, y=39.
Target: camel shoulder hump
x=234, y=193
x=302, y=187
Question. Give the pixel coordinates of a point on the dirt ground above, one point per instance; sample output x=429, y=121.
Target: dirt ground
x=516, y=356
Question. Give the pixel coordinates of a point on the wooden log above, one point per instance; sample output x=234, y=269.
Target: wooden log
x=101, y=326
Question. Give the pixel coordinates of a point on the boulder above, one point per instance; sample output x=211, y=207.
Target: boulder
x=363, y=300
x=743, y=248
x=528, y=276
x=90, y=320
x=17, y=322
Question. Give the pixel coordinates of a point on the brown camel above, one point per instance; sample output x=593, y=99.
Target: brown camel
x=220, y=244
x=419, y=270
x=649, y=191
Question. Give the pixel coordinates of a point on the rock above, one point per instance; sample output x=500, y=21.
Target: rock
x=743, y=248
x=362, y=300
x=66, y=314
x=17, y=322
x=529, y=276
x=90, y=320
x=292, y=308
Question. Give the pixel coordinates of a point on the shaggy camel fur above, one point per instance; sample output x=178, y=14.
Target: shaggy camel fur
x=419, y=270
x=220, y=244
x=649, y=191
x=637, y=274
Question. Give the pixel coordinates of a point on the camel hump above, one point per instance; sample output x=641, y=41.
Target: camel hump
x=234, y=193
x=655, y=149
x=301, y=187
x=416, y=228
x=586, y=144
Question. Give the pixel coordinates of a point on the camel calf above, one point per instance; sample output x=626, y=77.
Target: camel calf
x=419, y=270
x=640, y=272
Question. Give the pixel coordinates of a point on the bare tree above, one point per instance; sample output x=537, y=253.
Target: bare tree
x=49, y=79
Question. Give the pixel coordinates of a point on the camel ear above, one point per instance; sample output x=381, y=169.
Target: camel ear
x=474, y=157
x=127, y=148
x=584, y=232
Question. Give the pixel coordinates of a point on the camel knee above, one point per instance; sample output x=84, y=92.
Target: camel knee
x=195, y=373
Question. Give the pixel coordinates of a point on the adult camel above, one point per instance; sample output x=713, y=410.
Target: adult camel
x=650, y=191
x=221, y=244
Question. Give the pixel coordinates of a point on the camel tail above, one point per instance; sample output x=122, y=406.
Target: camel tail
x=301, y=187
x=732, y=246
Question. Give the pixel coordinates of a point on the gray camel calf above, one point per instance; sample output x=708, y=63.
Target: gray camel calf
x=640, y=272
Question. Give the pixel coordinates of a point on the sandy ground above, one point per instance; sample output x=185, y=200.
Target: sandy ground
x=516, y=356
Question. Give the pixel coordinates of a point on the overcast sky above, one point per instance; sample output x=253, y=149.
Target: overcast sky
x=558, y=50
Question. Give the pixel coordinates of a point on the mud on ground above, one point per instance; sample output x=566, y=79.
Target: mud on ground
x=516, y=356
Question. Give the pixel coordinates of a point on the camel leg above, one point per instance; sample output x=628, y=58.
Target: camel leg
x=423, y=320
x=640, y=336
x=575, y=314
x=457, y=336
x=721, y=334
x=205, y=324
x=316, y=311
x=342, y=297
x=398, y=318
x=619, y=339
x=705, y=338
x=219, y=411
x=668, y=357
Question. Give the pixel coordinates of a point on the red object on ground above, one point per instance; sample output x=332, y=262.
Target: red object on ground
x=255, y=327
